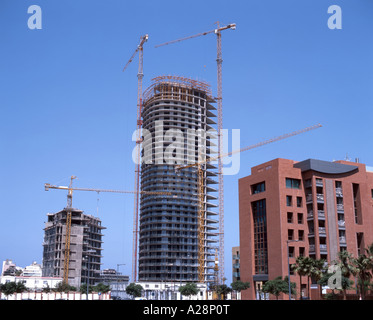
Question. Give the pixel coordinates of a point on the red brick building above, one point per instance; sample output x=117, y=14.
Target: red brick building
x=320, y=207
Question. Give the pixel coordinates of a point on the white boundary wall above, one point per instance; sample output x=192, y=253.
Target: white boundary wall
x=32, y=295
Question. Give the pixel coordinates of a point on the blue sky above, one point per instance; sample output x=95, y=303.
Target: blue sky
x=68, y=109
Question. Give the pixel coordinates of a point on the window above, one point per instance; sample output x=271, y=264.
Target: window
x=300, y=218
x=300, y=235
x=291, y=269
x=260, y=236
x=301, y=251
x=292, y=183
x=360, y=242
x=299, y=202
x=372, y=193
x=357, y=204
x=291, y=252
x=290, y=234
x=257, y=188
x=289, y=201
x=290, y=217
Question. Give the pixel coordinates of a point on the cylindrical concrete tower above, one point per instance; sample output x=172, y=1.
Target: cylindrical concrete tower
x=177, y=130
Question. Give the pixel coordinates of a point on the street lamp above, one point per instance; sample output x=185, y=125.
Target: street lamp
x=287, y=246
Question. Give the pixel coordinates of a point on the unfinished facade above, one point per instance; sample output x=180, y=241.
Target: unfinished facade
x=177, y=112
x=85, y=247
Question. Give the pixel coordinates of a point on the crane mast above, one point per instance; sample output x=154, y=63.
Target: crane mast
x=219, y=61
x=140, y=76
x=66, y=261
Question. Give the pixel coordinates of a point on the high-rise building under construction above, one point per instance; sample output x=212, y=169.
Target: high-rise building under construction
x=85, y=247
x=177, y=115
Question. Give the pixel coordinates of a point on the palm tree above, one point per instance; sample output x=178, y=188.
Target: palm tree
x=369, y=252
x=346, y=283
x=303, y=266
x=362, y=265
x=317, y=271
x=344, y=262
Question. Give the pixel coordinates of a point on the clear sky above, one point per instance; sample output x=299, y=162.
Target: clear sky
x=68, y=109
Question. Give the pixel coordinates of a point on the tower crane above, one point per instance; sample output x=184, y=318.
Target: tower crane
x=140, y=76
x=219, y=61
x=69, y=208
x=201, y=194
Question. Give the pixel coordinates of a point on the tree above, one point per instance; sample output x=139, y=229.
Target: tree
x=362, y=265
x=344, y=262
x=303, y=266
x=190, y=289
x=83, y=288
x=238, y=286
x=317, y=271
x=103, y=288
x=278, y=286
x=346, y=283
x=223, y=290
x=369, y=250
x=46, y=289
x=63, y=287
x=135, y=290
x=13, y=287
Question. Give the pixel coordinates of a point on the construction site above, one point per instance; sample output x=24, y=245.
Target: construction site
x=156, y=149
x=178, y=215
x=178, y=219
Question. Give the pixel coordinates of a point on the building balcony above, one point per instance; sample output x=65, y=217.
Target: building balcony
x=322, y=231
x=342, y=241
x=319, y=183
x=319, y=197
x=340, y=207
x=341, y=224
x=308, y=184
x=310, y=215
x=338, y=192
x=321, y=214
x=323, y=248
